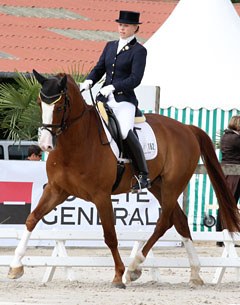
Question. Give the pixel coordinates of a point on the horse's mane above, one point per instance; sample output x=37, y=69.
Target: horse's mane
x=71, y=84
x=73, y=88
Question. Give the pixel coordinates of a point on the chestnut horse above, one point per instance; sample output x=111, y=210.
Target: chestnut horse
x=80, y=165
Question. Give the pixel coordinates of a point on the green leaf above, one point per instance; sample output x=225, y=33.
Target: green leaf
x=20, y=114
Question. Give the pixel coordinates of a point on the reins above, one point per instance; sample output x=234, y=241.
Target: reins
x=95, y=105
x=96, y=108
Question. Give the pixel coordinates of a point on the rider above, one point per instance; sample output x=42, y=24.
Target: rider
x=124, y=62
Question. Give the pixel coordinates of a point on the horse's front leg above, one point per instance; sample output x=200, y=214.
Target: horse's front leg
x=105, y=211
x=16, y=267
x=51, y=197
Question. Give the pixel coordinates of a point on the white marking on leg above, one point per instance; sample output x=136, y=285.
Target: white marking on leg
x=193, y=259
x=134, y=270
x=139, y=258
x=21, y=249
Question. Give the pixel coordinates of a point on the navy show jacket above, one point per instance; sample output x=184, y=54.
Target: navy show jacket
x=123, y=70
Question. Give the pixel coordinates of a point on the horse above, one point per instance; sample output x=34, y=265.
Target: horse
x=81, y=164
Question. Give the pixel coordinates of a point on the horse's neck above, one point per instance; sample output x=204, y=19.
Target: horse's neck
x=82, y=124
x=81, y=121
x=78, y=108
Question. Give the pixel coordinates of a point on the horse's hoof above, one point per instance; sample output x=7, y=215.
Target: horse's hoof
x=194, y=283
x=15, y=273
x=118, y=285
x=132, y=276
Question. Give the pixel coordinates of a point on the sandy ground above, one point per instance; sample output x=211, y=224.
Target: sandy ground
x=93, y=285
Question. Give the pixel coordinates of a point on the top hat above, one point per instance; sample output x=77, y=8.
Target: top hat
x=128, y=17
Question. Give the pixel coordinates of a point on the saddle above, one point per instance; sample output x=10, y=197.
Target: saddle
x=113, y=127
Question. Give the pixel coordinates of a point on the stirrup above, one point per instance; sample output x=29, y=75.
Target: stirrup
x=142, y=182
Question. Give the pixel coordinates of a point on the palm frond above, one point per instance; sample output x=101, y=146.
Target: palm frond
x=76, y=71
x=19, y=110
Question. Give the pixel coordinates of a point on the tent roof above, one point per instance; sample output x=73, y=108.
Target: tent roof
x=194, y=56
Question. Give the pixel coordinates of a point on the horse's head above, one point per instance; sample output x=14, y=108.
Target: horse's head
x=54, y=104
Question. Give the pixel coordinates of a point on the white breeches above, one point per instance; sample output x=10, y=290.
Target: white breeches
x=125, y=114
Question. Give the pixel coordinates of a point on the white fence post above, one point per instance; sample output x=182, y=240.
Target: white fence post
x=60, y=251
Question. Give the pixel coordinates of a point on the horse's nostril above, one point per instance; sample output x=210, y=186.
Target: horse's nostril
x=49, y=148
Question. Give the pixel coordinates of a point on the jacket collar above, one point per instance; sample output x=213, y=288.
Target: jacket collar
x=128, y=46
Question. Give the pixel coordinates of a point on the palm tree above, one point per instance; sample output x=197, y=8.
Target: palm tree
x=20, y=114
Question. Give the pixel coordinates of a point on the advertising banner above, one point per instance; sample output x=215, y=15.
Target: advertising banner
x=21, y=186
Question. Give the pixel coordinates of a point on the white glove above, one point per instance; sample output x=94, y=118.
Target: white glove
x=105, y=91
x=86, y=85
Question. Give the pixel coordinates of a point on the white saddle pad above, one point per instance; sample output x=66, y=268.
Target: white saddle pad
x=146, y=138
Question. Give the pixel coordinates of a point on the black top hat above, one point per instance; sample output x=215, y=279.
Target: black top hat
x=128, y=17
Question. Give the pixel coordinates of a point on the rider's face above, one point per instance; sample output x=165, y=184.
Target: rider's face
x=127, y=30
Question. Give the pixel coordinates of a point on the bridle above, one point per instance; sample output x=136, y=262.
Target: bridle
x=59, y=128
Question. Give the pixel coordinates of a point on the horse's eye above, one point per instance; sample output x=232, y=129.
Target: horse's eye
x=60, y=108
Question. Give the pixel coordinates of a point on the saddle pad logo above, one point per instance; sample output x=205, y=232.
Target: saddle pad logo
x=147, y=139
x=15, y=202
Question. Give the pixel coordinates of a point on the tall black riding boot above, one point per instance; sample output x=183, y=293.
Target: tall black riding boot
x=139, y=161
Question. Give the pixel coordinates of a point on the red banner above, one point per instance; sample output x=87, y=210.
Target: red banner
x=16, y=191
x=11, y=194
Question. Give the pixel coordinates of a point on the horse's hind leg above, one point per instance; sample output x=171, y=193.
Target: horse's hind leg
x=181, y=224
x=163, y=224
x=50, y=199
x=171, y=214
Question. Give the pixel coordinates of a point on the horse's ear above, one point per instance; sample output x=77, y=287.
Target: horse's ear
x=40, y=78
x=63, y=82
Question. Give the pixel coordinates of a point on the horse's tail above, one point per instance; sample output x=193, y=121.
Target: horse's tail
x=230, y=216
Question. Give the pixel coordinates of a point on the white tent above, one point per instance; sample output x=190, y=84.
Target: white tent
x=194, y=56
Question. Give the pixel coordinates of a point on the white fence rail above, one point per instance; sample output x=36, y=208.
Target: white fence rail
x=60, y=258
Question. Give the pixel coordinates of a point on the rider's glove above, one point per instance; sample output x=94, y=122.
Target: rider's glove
x=86, y=85
x=105, y=91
